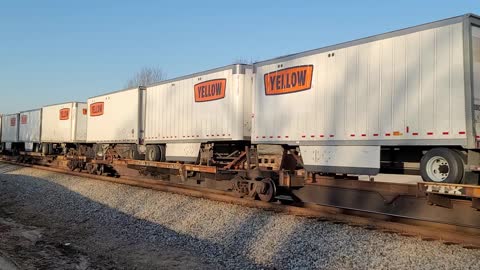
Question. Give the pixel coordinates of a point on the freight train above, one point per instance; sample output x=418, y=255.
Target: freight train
x=407, y=96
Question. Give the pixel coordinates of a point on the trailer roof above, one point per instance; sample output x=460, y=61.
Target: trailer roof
x=63, y=103
x=390, y=34
x=236, y=68
x=32, y=110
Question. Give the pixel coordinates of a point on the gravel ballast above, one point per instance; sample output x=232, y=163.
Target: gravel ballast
x=141, y=228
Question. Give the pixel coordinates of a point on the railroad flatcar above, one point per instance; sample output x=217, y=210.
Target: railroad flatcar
x=64, y=128
x=411, y=95
x=10, y=133
x=30, y=129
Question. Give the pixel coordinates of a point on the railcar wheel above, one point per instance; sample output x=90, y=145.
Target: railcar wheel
x=91, y=168
x=269, y=191
x=100, y=169
x=442, y=165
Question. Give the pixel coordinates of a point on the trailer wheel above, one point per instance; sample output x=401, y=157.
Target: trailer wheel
x=46, y=149
x=442, y=165
x=155, y=153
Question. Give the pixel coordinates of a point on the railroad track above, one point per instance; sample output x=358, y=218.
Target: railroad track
x=467, y=237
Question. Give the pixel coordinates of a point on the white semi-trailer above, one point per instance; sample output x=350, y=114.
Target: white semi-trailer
x=183, y=114
x=10, y=132
x=408, y=95
x=116, y=119
x=30, y=129
x=187, y=119
x=64, y=127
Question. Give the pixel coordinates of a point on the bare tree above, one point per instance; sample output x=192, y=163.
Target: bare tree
x=147, y=76
x=243, y=60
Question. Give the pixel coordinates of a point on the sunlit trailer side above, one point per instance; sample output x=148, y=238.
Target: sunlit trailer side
x=1, y=144
x=64, y=127
x=115, y=123
x=411, y=95
x=10, y=133
x=30, y=130
x=203, y=117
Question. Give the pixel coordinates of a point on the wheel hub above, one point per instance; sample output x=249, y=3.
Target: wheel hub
x=438, y=169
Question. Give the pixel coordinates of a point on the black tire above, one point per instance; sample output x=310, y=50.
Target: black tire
x=452, y=166
x=46, y=149
x=163, y=151
x=153, y=153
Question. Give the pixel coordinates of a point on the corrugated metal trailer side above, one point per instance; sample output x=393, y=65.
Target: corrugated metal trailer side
x=30, y=128
x=10, y=130
x=116, y=117
x=64, y=123
x=200, y=107
x=408, y=87
x=213, y=105
x=1, y=118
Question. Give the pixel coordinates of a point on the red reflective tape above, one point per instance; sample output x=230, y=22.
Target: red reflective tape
x=364, y=135
x=209, y=135
x=387, y=134
x=279, y=137
x=375, y=134
x=263, y=137
x=286, y=136
x=445, y=133
x=429, y=133
x=257, y=136
x=321, y=136
x=313, y=136
x=352, y=135
x=332, y=135
x=271, y=137
x=415, y=133
x=461, y=132
x=223, y=134
x=477, y=136
x=303, y=136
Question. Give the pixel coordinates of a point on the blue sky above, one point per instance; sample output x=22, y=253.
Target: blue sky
x=56, y=51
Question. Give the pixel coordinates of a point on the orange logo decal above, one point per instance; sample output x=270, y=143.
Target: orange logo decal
x=23, y=119
x=13, y=121
x=96, y=109
x=210, y=90
x=288, y=80
x=64, y=114
x=84, y=111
